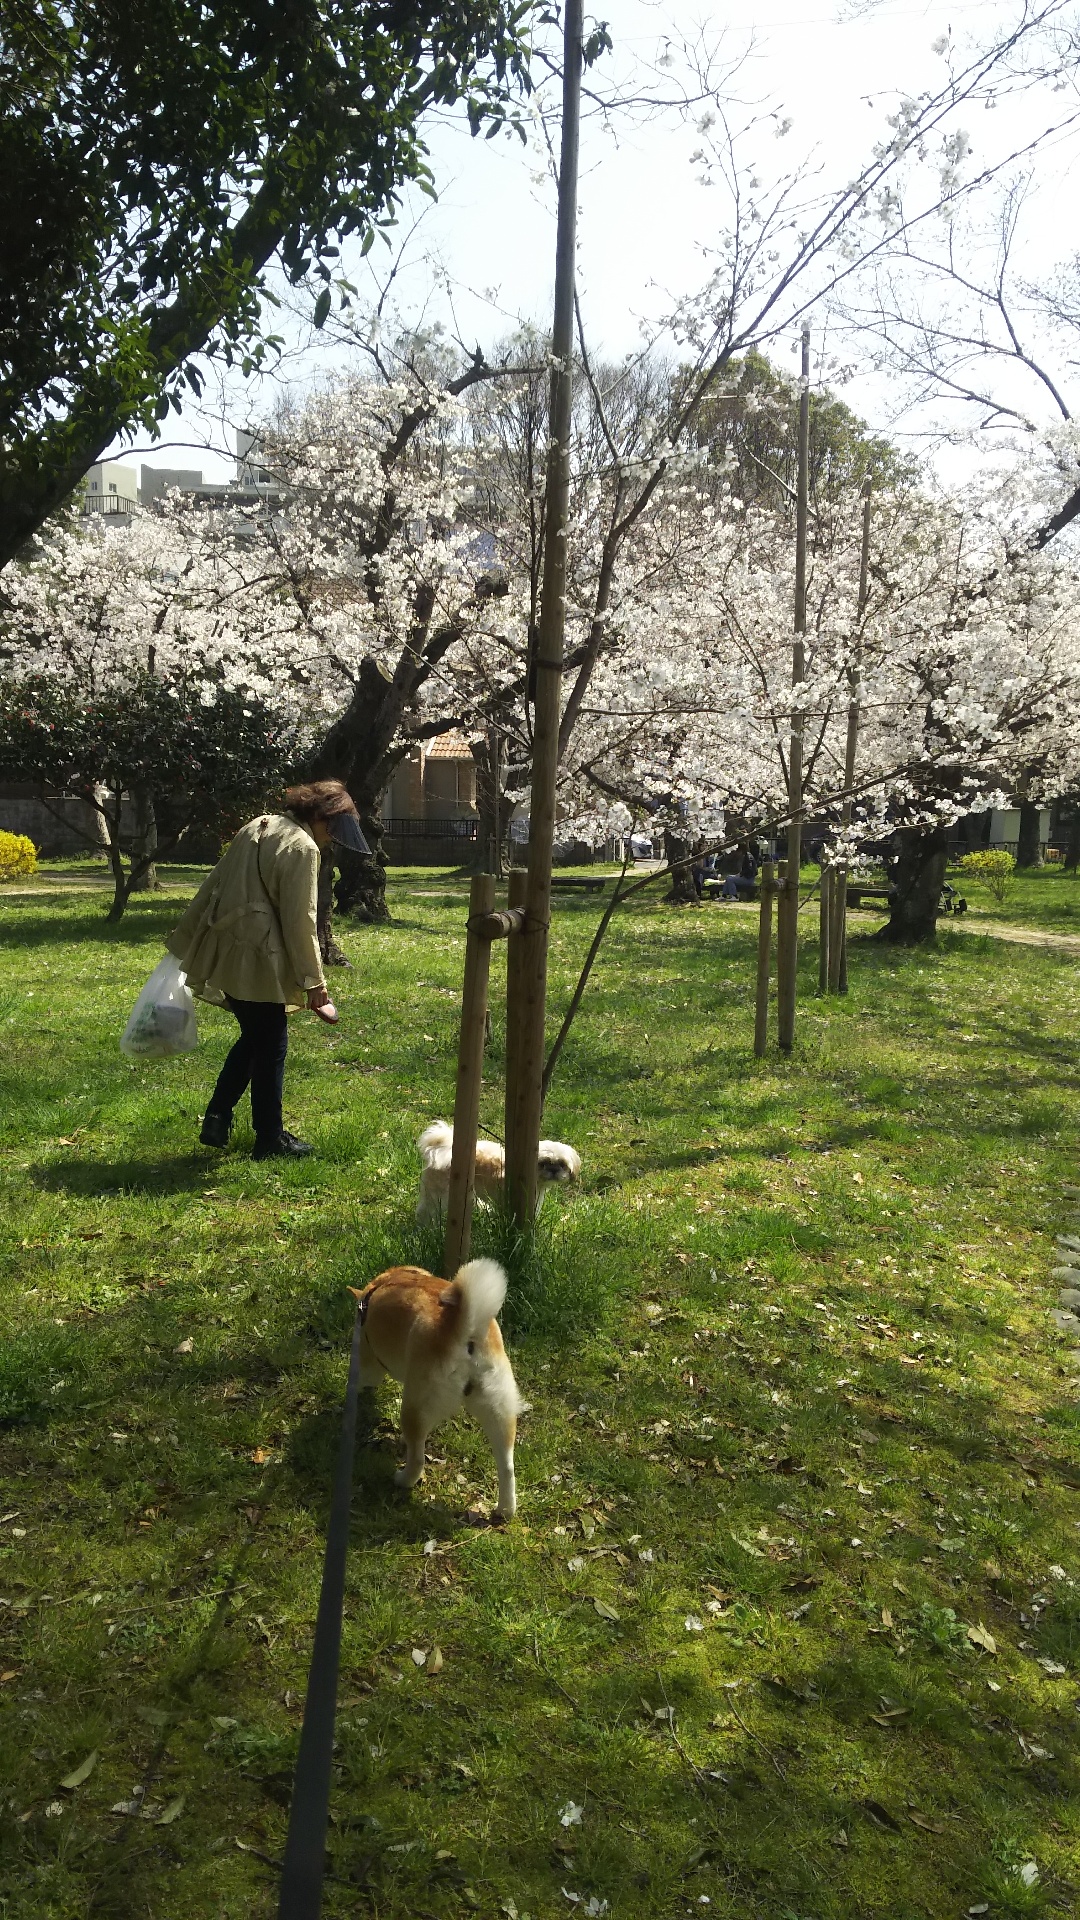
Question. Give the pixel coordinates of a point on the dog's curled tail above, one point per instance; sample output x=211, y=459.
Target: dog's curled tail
x=482, y=1285
x=435, y=1140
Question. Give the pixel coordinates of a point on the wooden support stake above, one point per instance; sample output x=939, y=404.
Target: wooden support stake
x=787, y=926
x=470, y=1073
x=838, y=930
x=764, y=955
x=516, y=885
x=547, y=655
x=827, y=884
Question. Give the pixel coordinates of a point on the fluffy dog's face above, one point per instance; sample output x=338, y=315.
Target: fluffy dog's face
x=557, y=1163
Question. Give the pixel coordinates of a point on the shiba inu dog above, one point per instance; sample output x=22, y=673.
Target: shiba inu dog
x=441, y=1339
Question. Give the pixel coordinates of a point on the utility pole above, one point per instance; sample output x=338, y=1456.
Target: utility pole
x=787, y=925
x=838, y=942
x=524, y=1099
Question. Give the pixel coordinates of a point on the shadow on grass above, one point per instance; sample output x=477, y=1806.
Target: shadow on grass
x=136, y=929
x=90, y=1179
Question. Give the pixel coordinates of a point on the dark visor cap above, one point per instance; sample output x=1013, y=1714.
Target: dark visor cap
x=344, y=829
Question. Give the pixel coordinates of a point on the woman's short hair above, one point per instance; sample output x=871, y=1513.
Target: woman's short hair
x=319, y=800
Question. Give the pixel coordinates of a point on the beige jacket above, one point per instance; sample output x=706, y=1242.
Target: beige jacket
x=251, y=929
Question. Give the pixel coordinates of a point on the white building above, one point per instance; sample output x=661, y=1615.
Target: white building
x=113, y=488
x=110, y=487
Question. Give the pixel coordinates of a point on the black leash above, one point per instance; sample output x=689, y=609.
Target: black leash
x=305, y=1846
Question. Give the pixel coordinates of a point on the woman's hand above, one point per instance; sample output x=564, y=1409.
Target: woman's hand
x=319, y=1002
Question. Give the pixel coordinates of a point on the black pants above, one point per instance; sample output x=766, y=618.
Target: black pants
x=258, y=1058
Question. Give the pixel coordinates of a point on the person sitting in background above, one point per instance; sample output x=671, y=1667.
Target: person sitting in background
x=249, y=941
x=740, y=882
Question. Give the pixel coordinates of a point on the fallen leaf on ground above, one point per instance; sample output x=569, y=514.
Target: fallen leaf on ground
x=605, y=1612
x=185, y=1346
x=928, y=1826
x=81, y=1773
x=570, y=1815
x=881, y=1816
x=980, y=1636
x=435, y=1661
x=172, y=1812
x=419, y=1656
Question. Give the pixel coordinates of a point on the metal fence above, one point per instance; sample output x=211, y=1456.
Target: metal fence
x=464, y=829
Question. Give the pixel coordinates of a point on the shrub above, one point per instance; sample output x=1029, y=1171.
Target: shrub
x=18, y=855
x=995, y=866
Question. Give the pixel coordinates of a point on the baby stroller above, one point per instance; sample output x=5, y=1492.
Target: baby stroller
x=951, y=901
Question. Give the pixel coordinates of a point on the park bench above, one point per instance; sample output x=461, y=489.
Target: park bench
x=712, y=886
x=578, y=883
x=868, y=896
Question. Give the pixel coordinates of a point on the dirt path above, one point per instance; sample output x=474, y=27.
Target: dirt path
x=1017, y=936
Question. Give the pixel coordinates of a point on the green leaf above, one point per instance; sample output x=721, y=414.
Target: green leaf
x=322, y=308
x=81, y=1773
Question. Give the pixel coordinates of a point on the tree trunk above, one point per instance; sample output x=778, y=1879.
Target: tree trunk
x=1029, y=851
x=361, y=888
x=121, y=881
x=917, y=880
x=1072, y=845
x=490, y=806
x=359, y=749
x=332, y=954
x=678, y=850
x=143, y=878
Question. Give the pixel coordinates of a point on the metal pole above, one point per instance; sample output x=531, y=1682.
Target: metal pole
x=787, y=943
x=548, y=658
x=470, y=1073
x=764, y=944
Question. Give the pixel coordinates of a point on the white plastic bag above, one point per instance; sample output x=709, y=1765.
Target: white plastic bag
x=163, y=1017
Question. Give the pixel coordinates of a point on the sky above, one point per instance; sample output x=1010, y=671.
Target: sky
x=646, y=223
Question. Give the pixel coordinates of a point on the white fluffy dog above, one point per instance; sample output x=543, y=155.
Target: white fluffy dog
x=557, y=1164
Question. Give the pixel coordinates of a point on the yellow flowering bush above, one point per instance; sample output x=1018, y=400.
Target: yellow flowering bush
x=18, y=855
x=992, y=864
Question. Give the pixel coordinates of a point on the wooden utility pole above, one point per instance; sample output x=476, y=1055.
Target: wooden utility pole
x=838, y=940
x=764, y=944
x=787, y=925
x=529, y=1010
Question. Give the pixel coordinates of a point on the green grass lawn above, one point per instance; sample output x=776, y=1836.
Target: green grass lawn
x=1047, y=898
x=789, y=1623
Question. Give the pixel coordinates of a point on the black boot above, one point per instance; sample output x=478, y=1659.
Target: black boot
x=216, y=1128
x=286, y=1146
